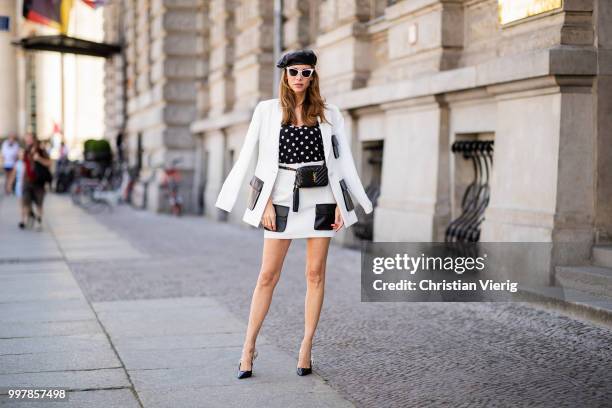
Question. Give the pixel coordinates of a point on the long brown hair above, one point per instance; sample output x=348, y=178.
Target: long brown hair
x=313, y=106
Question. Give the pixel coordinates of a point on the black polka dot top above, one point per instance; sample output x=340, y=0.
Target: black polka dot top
x=300, y=144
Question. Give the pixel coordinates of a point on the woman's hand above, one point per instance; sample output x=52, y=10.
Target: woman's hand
x=339, y=222
x=268, y=219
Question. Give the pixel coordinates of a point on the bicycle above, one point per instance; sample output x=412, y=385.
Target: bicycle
x=95, y=194
x=171, y=184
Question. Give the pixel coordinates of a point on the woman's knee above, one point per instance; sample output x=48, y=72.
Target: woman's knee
x=268, y=278
x=315, y=274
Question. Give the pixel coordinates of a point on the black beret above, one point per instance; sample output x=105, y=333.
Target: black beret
x=297, y=57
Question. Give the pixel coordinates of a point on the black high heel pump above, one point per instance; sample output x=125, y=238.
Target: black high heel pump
x=301, y=371
x=246, y=373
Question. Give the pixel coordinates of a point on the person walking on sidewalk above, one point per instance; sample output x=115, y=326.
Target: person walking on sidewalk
x=299, y=190
x=37, y=174
x=19, y=174
x=10, y=150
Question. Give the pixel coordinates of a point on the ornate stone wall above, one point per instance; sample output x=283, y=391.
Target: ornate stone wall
x=163, y=57
x=411, y=77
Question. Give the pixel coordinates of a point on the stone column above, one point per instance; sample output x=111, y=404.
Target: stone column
x=543, y=187
x=253, y=67
x=203, y=84
x=130, y=35
x=120, y=73
x=343, y=45
x=546, y=135
x=183, y=48
x=114, y=78
x=603, y=96
x=214, y=149
x=414, y=200
x=424, y=36
x=163, y=52
x=8, y=73
x=296, y=28
x=222, y=42
x=202, y=103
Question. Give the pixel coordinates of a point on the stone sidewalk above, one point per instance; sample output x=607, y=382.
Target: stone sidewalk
x=180, y=351
x=49, y=334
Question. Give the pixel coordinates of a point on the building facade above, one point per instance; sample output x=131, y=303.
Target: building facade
x=52, y=95
x=151, y=87
x=412, y=78
x=9, y=114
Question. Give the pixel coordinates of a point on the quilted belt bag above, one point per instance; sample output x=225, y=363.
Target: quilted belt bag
x=307, y=176
x=310, y=176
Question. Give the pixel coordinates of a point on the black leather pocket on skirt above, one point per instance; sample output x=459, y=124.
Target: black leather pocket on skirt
x=256, y=185
x=348, y=202
x=325, y=216
x=282, y=212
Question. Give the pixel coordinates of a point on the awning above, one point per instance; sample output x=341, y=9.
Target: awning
x=70, y=45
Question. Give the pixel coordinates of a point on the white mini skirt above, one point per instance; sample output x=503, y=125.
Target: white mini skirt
x=316, y=210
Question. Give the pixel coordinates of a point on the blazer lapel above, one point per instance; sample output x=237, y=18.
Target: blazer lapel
x=276, y=126
x=326, y=132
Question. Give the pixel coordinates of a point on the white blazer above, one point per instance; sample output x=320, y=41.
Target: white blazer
x=265, y=128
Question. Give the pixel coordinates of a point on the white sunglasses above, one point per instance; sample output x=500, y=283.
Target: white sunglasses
x=306, y=72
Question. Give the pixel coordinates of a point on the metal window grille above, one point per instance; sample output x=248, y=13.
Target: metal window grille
x=466, y=227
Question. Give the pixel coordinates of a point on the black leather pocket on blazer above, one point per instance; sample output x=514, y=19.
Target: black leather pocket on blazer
x=335, y=146
x=348, y=202
x=256, y=185
x=325, y=215
x=282, y=212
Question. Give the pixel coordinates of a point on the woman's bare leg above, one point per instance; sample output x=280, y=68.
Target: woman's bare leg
x=274, y=251
x=316, y=260
x=39, y=214
x=25, y=210
x=10, y=179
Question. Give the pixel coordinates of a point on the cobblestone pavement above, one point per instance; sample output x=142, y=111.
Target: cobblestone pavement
x=374, y=354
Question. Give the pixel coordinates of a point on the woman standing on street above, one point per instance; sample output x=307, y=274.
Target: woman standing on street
x=299, y=190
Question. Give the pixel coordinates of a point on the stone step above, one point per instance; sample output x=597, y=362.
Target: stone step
x=602, y=255
x=570, y=301
x=591, y=279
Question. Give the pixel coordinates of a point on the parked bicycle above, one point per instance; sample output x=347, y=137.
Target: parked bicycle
x=171, y=181
x=96, y=188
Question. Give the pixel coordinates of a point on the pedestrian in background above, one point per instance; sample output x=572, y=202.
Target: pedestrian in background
x=37, y=174
x=63, y=151
x=119, y=145
x=18, y=172
x=10, y=151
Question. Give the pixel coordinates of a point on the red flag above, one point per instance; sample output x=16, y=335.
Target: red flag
x=56, y=128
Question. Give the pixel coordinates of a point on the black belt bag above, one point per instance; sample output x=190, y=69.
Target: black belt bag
x=311, y=176
x=307, y=176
